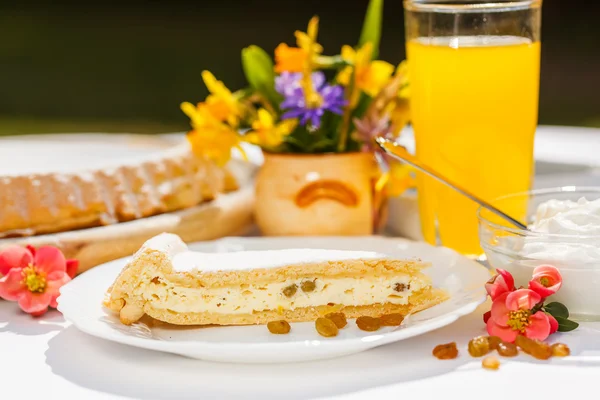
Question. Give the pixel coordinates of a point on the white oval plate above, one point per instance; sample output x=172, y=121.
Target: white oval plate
x=81, y=303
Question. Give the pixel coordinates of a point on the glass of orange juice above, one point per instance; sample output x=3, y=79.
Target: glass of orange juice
x=474, y=80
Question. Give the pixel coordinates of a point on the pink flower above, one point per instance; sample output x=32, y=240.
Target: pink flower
x=33, y=277
x=546, y=280
x=486, y=316
x=511, y=316
x=553, y=323
x=501, y=283
x=12, y=257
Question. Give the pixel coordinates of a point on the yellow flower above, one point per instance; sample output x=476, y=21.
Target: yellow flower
x=402, y=69
x=221, y=102
x=399, y=115
x=266, y=133
x=308, y=43
x=210, y=137
x=369, y=76
x=401, y=179
x=289, y=59
x=395, y=181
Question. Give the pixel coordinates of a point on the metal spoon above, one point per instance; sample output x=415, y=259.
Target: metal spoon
x=399, y=153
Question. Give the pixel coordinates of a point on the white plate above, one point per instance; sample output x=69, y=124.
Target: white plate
x=80, y=303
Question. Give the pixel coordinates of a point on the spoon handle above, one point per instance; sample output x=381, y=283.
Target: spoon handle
x=399, y=153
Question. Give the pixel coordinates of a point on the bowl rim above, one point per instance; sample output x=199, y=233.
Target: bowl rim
x=537, y=192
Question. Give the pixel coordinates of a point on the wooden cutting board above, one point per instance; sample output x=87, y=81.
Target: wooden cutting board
x=228, y=215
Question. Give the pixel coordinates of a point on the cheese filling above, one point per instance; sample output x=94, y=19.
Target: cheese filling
x=288, y=295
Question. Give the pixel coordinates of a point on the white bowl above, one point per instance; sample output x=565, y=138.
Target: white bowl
x=519, y=251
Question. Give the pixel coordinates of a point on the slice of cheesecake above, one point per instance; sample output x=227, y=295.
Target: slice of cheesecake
x=172, y=284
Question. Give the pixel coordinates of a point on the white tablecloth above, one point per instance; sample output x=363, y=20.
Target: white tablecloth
x=46, y=358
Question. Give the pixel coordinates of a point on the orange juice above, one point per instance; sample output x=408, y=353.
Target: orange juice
x=474, y=104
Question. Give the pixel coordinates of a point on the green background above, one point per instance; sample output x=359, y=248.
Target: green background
x=125, y=67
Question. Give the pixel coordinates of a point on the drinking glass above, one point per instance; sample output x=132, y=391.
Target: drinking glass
x=474, y=81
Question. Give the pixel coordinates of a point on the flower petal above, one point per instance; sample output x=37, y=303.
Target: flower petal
x=522, y=299
x=500, y=283
x=318, y=79
x=35, y=302
x=499, y=311
x=49, y=259
x=503, y=332
x=72, y=267
x=14, y=257
x=55, y=281
x=539, y=327
x=486, y=316
x=548, y=270
x=546, y=280
x=508, y=279
x=31, y=249
x=553, y=323
x=11, y=285
x=540, y=289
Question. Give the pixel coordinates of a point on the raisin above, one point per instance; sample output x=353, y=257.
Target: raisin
x=535, y=348
x=326, y=327
x=507, y=349
x=278, y=327
x=560, y=350
x=401, y=287
x=490, y=362
x=391, y=319
x=289, y=291
x=368, y=324
x=308, y=286
x=479, y=346
x=338, y=318
x=494, y=341
x=446, y=351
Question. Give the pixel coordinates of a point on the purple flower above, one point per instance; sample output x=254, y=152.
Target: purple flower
x=288, y=84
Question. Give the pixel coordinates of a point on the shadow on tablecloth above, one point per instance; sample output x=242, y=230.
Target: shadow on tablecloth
x=132, y=372
x=126, y=371
x=16, y=321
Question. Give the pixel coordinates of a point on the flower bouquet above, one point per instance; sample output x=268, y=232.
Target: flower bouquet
x=315, y=117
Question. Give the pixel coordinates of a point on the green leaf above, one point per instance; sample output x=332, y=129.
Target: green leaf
x=371, y=30
x=566, y=325
x=260, y=73
x=331, y=62
x=557, y=309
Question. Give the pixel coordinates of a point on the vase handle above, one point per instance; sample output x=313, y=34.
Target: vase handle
x=326, y=189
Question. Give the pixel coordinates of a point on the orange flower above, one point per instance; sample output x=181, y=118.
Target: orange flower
x=290, y=59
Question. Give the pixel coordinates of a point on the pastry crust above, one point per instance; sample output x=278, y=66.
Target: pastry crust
x=56, y=202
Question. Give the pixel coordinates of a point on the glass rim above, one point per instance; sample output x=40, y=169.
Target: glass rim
x=465, y=6
x=481, y=212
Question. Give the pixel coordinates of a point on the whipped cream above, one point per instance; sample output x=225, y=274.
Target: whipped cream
x=568, y=217
x=579, y=220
